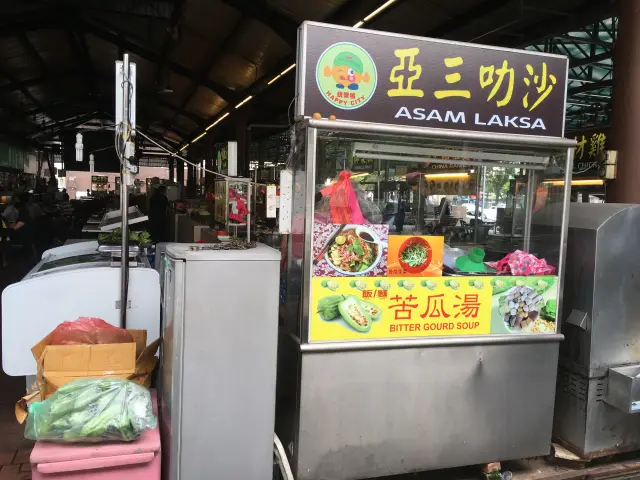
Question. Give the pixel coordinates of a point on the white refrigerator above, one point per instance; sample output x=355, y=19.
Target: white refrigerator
x=218, y=373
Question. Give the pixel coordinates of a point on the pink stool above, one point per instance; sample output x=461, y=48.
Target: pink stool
x=138, y=460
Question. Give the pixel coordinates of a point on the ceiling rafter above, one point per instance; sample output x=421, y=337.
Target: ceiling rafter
x=587, y=40
x=346, y=15
x=78, y=43
x=211, y=61
x=122, y=40
x=173, y=30
x=260, y=10
x=24, y=90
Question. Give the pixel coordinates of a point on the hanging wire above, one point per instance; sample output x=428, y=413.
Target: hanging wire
x=139, y=132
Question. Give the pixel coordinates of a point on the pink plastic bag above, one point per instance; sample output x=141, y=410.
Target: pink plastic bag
x=520, y=263
x=89, y=331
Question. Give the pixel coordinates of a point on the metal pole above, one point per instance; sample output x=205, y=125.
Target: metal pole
x=124, y=199
x=529, y=209
x=475, y=222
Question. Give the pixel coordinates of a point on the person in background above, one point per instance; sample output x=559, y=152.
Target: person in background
x=88, y=192
x=399, y=218
x=10, y=214
x=65, y=195
x=158, y=204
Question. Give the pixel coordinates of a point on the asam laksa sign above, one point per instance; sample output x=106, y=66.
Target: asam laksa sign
x=362, y=75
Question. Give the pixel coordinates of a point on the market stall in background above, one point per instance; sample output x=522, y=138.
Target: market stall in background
x=421, y=293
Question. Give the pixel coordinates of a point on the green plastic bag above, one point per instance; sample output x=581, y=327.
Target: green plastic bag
x=92, y=410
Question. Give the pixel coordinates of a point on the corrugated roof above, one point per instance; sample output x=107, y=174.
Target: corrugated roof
x=197, y=59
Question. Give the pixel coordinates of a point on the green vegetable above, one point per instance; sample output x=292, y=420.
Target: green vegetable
x=92, y=410
x=377, y=283
x=415, y=254
x=333, y=286
x=548, y=312
x=542, y=285
x=502, y=284
x=454, y=284
x=372, y=310
x=354, y=315
x=359, y=284
x=431, y=285
x=406, y=284
x=479, y=284
x=328, y=307
x=323, y=284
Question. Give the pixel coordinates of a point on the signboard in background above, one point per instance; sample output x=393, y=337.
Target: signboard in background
x=363, y=165
x=227, y=158
x=378, y=77
x=591, y=146
x=366, y=308
x=271, y=201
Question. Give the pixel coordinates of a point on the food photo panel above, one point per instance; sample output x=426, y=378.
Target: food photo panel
x=349, y=250
x=415, y=256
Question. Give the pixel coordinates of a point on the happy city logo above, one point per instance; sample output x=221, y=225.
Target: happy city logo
x=346, y=75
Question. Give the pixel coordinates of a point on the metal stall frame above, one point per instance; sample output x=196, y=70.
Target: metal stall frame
x=311, y=364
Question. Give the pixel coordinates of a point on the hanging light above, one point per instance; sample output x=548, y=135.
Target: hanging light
x=78, y=147
x=92, y=163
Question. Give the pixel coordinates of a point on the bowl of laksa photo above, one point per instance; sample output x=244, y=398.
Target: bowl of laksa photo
x=356, y=250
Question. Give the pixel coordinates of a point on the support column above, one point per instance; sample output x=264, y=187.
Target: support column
x=625, y=125
x=241, y=137
x=193, y=156
x=180, y=177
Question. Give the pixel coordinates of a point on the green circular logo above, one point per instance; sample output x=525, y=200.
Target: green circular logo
x=346, y=75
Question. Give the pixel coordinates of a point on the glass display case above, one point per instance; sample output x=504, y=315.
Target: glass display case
x=430, y=256
x=232, y=205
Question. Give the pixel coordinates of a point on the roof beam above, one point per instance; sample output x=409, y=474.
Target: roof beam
x=464, y=26
x=32, y=52
x=25, y=91
x=589, y=87
x=588, y=40
x=588, y=12
x=259, y=9
x=204, y=71
x=121, y=40
x=173, y=30
x=78, y=42
x=581, y=62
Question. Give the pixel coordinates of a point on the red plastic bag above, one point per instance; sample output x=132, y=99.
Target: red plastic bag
x=89, y=331
x=342, y=201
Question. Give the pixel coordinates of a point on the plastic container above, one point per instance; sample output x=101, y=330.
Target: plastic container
x=137, y=460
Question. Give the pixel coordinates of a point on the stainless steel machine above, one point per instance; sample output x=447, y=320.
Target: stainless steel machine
x=598, y=385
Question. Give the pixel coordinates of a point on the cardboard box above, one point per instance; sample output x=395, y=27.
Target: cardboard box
x=61, y=364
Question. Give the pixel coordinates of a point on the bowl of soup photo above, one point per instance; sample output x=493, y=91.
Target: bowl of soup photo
x=414, y=255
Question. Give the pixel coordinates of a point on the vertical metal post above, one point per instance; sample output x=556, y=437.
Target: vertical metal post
x=124, y=199
x=475, y=224
x=564, y=233
x=531, y=176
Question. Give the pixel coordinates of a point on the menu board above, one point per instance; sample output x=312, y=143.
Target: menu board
x=370, y=285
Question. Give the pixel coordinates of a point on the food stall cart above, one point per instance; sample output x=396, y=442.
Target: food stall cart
x=393, y=357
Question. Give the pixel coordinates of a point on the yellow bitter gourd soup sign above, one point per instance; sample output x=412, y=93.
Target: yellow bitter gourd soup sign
x=368, y=308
